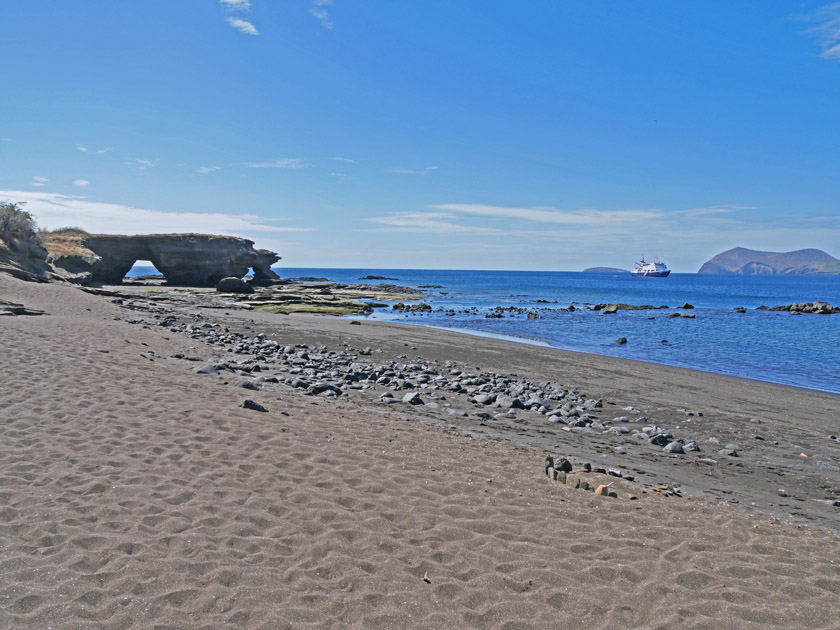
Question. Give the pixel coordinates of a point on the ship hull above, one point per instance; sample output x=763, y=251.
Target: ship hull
x=651, y=274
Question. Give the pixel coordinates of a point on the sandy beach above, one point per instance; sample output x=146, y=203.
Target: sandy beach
x=138, y=493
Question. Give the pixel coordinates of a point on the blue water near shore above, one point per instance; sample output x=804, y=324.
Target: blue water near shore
x=771, y=346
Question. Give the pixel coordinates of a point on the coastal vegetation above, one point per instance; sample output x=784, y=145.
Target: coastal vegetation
x=21, y=253
x=18, y=230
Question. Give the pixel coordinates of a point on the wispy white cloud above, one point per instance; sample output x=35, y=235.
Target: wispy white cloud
x=318, y=10
x=142, y=164
x=551, y=215
x=39, y=182
x=281, y=163
x=84, y=149
x=426, y=222
x=81, y=183
x=709, y=210
x=243, y=26
x=239, y=23
x=5, y=139
x=54, y=210
x=409, y=171
x=207, y=169
x=345, y=160
x=827, y=29
x=551, y=238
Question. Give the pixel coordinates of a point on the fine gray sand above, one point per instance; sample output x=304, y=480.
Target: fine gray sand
x=135, y=493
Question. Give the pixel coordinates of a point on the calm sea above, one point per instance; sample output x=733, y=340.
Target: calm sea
x=771, y=346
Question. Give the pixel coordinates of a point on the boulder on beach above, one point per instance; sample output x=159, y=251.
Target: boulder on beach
x=233, y=285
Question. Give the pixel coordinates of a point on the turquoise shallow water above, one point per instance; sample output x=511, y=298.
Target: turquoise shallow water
x=795, y=350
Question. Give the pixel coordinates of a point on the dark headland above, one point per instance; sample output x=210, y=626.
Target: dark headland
x=751, y=262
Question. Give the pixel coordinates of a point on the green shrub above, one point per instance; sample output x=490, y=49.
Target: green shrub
x=17, y=229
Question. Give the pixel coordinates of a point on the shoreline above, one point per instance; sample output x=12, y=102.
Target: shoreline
x=138, y=491
x=541, y=343
x=662, y=393
x=704, y=345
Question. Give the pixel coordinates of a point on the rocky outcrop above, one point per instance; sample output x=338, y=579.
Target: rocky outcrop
x=751, y=262
x=613, y=308
x=12, y=308
x=24, y=265
x=186, y=259
x=234, y=285
x=816, y=308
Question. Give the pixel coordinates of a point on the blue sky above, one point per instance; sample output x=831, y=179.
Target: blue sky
x=549, y=135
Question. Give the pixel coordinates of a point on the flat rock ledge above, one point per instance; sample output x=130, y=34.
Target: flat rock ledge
x=13, y=309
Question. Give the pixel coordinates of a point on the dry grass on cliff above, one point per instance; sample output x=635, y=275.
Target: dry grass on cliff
x=65, y=242
x=70, y=240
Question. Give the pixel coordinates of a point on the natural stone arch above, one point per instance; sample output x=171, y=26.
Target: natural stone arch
x=188, y=259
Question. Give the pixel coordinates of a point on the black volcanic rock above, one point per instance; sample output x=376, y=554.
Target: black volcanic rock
x=751, y=262
x=819, y=307
x=233, y=285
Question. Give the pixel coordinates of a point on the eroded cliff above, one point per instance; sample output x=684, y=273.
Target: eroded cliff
x=188, y=259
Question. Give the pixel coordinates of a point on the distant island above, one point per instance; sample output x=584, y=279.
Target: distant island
x=605, y=270
x=751, y=262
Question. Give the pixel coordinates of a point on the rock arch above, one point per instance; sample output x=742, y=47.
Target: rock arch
x=188, y=259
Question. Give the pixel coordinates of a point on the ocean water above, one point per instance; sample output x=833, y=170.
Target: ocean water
x=770, y=346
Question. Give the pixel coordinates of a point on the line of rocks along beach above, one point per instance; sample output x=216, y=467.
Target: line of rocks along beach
x=757, y=446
